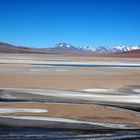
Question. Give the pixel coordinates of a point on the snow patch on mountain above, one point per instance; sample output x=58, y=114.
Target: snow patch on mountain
x=96, y=50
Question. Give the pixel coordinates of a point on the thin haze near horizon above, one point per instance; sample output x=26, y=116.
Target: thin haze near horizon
x=43, y=23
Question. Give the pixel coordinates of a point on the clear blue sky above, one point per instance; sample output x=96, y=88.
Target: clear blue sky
x=43, y=23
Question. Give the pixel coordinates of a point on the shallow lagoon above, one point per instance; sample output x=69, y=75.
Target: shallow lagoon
x=91, y=65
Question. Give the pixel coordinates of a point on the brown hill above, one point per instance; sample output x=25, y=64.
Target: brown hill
x=129, y=54
x=7, y=48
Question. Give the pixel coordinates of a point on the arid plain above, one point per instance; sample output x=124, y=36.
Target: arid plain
x=96, y=92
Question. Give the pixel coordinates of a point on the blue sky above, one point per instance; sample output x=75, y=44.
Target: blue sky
x=43, y=23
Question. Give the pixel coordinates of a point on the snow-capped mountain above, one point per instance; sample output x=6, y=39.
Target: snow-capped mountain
x=106, y=50
x=65, y=47
x=127, y=48
x=95, y=50
x=123, y=49
x=70, y=49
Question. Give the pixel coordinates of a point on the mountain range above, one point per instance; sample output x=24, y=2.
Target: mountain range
x=95, y=50
x=65, y=48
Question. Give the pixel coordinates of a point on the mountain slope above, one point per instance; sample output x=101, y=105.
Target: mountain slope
x=106, y=50
x=7, y=48
x=65, y=47
x=68, y=49
x=128, y=54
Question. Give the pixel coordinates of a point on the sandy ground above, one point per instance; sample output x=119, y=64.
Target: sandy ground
x=69, y=81
x=17, y=71
x=91, y=113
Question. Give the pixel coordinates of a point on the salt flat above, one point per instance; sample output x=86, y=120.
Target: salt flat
x=54, y=83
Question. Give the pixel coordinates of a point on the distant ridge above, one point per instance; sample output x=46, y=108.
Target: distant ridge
x=8, y=48
x=95, y=50
x=68, y=49
x=130, y=54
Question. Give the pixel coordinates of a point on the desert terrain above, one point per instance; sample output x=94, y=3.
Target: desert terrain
x=78, y=92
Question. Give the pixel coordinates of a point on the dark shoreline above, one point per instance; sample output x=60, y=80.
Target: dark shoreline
x=35, y=133
x=8, y=127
